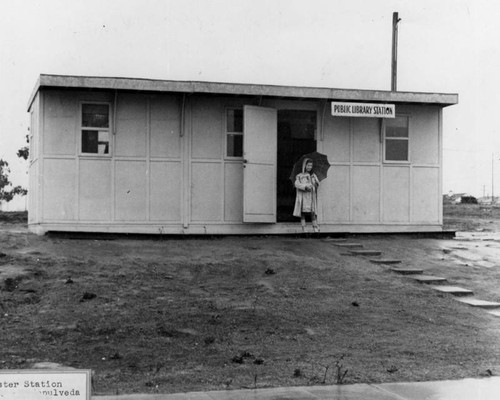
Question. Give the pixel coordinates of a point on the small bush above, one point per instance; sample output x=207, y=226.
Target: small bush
x=468, y=200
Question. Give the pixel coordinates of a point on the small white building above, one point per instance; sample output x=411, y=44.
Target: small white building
x=170, y=157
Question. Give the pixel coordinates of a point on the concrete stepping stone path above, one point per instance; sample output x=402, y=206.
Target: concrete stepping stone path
x=479, y=303
x=366, y=252
x=407, y=271
x=429, y=279
x=454, y=290
x=496, y=313
x=335, y=240
x=349, y=245
x=385, y=261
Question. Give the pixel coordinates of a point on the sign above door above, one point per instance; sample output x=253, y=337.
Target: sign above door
x=341, y=109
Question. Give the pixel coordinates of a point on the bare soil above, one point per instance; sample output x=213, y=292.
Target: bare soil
x=172, y=315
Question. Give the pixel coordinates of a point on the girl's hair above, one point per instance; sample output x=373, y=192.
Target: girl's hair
x=305, y=162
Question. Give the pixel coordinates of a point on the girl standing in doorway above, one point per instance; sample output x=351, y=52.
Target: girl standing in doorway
x=306, y=200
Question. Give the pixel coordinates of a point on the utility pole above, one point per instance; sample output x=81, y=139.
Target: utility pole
x=394, y=63
x=492, y=178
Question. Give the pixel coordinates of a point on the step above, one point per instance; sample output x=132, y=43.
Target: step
x=429, y=279
x=407, y=271
x=349, y=245
x=366, y=252
x=496, y=313
x=334, y=240
x=454, y=290
x=479, y=303
x=385, y=261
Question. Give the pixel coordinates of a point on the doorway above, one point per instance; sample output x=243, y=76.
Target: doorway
x=296, y=136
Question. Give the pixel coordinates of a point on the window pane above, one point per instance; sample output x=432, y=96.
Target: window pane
x=95, y=115
x=397, y=127
x=234, y=120
x=234, y=145
x=396, y=150
x=103, y=136
x=89, y=141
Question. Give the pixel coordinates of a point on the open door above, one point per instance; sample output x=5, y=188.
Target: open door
x=259, y=173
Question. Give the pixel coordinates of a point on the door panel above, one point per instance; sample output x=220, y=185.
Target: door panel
x=259, y=176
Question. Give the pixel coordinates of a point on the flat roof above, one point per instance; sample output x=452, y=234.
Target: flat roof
x=155, y=85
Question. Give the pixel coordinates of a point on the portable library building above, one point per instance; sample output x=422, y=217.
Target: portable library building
x=174, y=157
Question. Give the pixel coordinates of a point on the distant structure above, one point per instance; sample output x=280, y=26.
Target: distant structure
x=170, y=157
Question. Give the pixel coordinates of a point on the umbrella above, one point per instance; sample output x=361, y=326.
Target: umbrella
x=320, y=165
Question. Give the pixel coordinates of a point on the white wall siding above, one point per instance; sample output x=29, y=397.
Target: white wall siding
x=165, y=191
x=95, y=194
x=425, y=192
x=366, y=140
x=131, y=126
x=59, y=190
x=130, y=190
x=165, y=127
x=233, y=192
x=168, y=175
x=396, y=194
x=60, y=123
x=206, y=192
x=335, y=195
x=207, y=118
x=366, y=194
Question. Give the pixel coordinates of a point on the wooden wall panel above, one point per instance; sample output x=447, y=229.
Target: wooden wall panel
x=59, y=194
x=165, y=127
x=396, y=194
x=206, y=192
x=165, y=191
x=366, y=194
x=95, y=190
x=130, y=191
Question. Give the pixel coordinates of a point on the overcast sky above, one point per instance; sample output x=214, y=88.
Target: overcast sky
x=448, y=46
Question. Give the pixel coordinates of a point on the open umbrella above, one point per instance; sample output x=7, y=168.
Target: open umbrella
x=320, y=165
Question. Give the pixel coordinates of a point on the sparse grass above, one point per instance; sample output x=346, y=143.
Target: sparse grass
x=471, y=217
x=14, y=217
x=172, y=315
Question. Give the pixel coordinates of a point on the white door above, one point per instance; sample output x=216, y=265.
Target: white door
x=260, y=141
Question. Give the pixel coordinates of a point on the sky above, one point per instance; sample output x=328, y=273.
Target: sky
x=444, y=46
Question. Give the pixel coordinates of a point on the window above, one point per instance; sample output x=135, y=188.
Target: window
x=234, y=132
x=95, y=128
x=396, y=139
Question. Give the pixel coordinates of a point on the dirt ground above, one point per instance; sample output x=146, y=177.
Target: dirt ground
x=172, y=315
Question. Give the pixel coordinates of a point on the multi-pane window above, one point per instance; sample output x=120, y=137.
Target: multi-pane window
x=95, y=128
x=396, y=139
x=234, y=132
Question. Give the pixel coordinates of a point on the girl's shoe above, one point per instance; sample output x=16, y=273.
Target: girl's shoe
x=316, y=229
x=304, y=229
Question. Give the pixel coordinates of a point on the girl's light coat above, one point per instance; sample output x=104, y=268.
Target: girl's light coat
x=302, y=181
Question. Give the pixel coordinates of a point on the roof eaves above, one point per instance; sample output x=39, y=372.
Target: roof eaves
x=443, y=99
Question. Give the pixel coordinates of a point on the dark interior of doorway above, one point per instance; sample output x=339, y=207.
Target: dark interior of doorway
x=296, y=136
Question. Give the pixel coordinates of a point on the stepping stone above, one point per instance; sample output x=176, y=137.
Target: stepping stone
x=366, y=252
x=429, y=279
x=496, y=313
x=349, y=245
x=407, y=271
x=454, y=290
x=385, y=261
x=479, y=303
x=334, y=240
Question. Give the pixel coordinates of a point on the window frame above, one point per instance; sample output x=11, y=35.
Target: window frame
x=407, y=139
x=226, y=133
x=86, y=128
